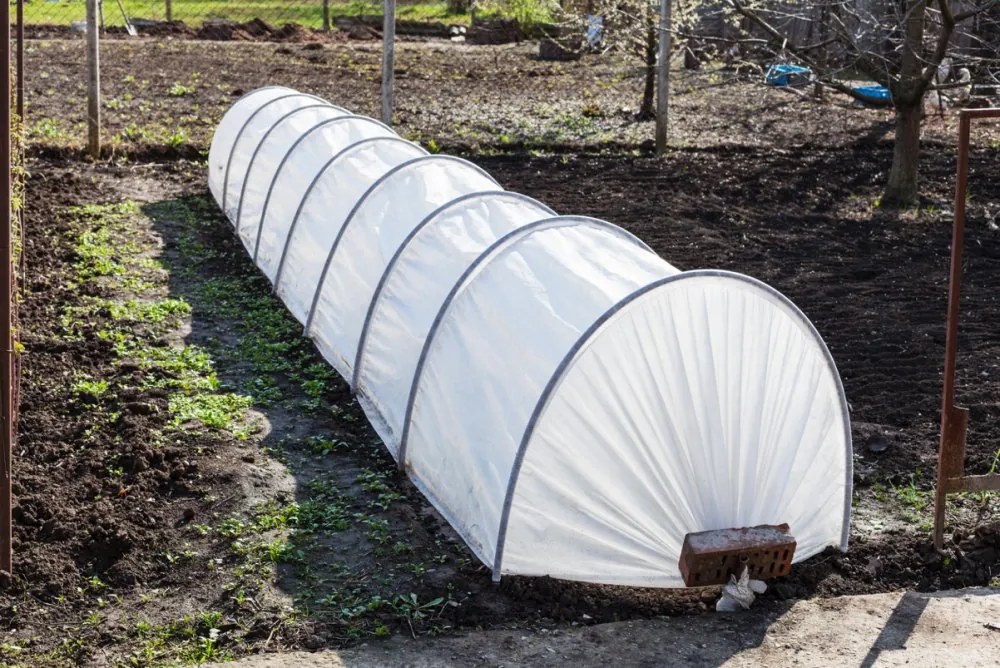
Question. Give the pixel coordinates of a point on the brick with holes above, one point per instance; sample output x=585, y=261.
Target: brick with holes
x=711, y=557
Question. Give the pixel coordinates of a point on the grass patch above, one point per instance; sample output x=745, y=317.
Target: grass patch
x=265, y=337
x=195, y=12
x=276, y=364
x=910, y=495
x=136, y=320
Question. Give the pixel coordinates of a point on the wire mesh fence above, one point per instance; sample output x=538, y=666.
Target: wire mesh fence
x=315, y=14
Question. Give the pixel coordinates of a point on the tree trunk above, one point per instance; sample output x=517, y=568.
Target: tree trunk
x=646, y=110
x=901, y=190
x=908, y=96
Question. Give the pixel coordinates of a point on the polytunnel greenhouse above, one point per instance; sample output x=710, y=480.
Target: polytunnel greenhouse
x=571, y=403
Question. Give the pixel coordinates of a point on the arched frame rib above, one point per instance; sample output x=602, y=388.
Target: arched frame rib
x=312, y=186
x=361, y=200
x=567, y=362
x=284, y=160
x=253, y=157
x=239, y=134
x=431, y=217
x=495, y=250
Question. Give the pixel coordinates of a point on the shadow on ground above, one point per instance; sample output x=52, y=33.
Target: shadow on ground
x=365, y=555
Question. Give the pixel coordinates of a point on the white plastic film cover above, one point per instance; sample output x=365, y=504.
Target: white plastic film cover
x=264, y=163
x=250, y=135
x=325, y=208
x=570, y=402
x=229, y=129
x=413, y=289
x=495, y=348
x=309, y=154
x=379, y=224
x=755, y=433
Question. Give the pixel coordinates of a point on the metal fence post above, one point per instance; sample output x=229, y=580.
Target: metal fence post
x=326, y=15
x=169, y=6
x=19, y=70
x=6, y=304
x=951, y=476
x=93, y=81
x=663, y=79
x=388, y=58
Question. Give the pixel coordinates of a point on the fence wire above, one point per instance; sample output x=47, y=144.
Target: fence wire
x=146, y=14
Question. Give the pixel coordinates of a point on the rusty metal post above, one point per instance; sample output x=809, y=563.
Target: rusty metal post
x=19, y=285
x=19, y=82
x=6, y=302
x=954, y=419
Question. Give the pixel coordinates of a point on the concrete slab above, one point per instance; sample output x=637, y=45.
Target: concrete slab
x=957, y=628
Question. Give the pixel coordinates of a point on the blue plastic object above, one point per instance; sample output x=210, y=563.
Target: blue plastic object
x=595, y=31
x=874, y=93
x=787, y=75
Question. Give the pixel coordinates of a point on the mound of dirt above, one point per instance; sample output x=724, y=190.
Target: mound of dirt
x=256, y=30
x=369, y=26
x=260, y=31
x=496, y=31
x=159, y=28
x=359, y=30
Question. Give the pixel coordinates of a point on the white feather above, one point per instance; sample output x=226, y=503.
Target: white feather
x=944, y=70
x=934, y=103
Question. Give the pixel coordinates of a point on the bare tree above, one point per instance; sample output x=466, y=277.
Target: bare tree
x=899, y=44
x=632, y=27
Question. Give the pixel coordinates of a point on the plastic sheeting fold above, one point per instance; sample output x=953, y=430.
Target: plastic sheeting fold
x=569, y=401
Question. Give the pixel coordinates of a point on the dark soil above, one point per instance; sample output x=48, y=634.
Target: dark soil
x=796, y=214
x=255, y=30
x=75, y=518
x=468, y=99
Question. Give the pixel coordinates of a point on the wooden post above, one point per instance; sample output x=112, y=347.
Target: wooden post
x=93, y=81
x=663, y=79
x=388, y=58
x=326, y=15
x=6, y=305
x=169, y=5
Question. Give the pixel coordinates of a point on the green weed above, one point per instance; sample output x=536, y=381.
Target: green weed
x=90, y=389
x=215, y=411
x=180, y=90
x=191, y=640
x=910, y=494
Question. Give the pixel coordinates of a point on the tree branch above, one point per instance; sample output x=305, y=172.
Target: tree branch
x=787, y=45
x=947, y=29
x=968, y=14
